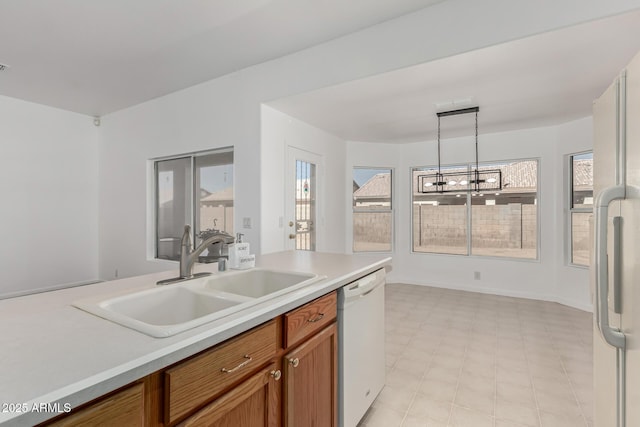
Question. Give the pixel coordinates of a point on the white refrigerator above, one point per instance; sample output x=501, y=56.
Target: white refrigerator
x=615, y=266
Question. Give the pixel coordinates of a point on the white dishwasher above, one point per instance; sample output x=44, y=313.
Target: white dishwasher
x=361, y=357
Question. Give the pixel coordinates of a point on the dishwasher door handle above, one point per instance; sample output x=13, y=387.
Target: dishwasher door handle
x=368, y=292
x=362, y=286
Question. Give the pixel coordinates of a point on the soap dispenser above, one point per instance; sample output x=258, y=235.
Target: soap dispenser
x=238, y=251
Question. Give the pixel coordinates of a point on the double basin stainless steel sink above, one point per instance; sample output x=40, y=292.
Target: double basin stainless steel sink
x=164, y=311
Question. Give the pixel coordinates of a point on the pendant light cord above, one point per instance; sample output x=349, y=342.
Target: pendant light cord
x=477, y=173
x=439, y=148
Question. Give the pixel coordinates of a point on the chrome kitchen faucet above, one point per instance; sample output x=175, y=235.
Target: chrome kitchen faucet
x=189, y=257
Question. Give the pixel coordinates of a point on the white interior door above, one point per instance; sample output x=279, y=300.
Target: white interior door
x=302, y=199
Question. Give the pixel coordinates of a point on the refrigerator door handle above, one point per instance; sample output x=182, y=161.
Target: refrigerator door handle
x=611, y=335
x=617, y=265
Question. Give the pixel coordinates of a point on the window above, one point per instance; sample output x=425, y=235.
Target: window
x=500, y=223
x=194, y=190
x=440, y=220
x=305, y=206
x=372, y=210
x=580, y=206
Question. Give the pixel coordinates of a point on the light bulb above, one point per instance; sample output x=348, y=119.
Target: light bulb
x=452, y=183
x=463, y=182
x=428, y=184
x=491, y=180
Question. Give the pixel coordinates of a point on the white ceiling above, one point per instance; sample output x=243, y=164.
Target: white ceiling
x=543, y=80
x=96, y=57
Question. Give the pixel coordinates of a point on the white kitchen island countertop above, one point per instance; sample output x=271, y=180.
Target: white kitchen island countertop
x=54, y=353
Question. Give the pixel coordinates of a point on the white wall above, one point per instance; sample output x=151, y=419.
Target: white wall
x=204, y=117
x=279, y=131
x=548, y=278
x=49, y=188
x=573, y=137
x=226, y=111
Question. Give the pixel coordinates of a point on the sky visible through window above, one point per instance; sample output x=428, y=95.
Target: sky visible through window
x=216, y=178
x=584, y=156
x=360, y=176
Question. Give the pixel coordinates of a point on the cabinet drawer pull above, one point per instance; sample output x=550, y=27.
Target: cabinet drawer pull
x=276, y=375
x=294, y=362
x=243, y=364
x=317, y=319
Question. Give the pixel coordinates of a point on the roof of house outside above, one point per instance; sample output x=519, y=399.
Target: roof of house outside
x=226, y=194
x=583, y=174
x=377, y=187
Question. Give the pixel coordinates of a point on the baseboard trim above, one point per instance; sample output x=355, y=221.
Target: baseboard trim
x=501, y=292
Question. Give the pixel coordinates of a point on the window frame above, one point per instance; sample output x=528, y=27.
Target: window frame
x=469, y=206
x=571, y=210
x=390, y=210
x=193, y=202
x=431, y=169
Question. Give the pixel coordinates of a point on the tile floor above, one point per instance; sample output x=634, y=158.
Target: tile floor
x=458, y=358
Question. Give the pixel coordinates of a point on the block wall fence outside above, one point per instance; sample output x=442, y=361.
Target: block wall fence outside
x=581, y=238
x=440, y=226
x=371, y=230
x=493, y=226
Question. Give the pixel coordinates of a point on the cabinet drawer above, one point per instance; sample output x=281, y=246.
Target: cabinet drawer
x=310, y=318
x=195, y=382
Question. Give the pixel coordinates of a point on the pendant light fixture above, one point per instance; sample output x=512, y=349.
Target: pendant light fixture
x=476, y=180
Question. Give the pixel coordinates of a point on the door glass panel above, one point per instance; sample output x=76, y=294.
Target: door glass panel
x=305, y=206
x=173, y=178
x=214, y=189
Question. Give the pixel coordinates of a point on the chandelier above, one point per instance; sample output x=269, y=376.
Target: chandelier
x=476, y=180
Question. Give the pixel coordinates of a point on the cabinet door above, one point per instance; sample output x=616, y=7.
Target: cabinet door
x=191, y=384
x=253, y=403
x=310, y=372
x=123, y=408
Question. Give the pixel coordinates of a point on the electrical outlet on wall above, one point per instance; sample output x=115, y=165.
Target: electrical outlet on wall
x=476, y=275
x=246, y=222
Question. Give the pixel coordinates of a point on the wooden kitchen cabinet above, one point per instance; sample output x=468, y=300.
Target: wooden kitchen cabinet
x=193, y=383
x=310, y=381
x=253, y=403
x=311, y=368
